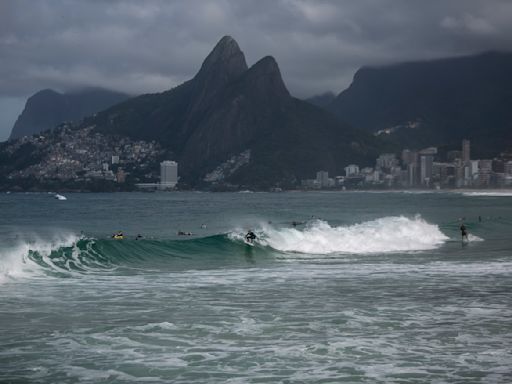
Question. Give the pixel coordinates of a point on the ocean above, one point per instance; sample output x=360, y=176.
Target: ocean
x=352, y=287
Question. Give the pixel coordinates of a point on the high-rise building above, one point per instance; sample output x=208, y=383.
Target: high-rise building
x=465, y=151
x=386, y=161
x=412, y=174
x=168, y=174
x=428, y=151
x=426, y=164
x=508, y=167
x=409, y=157
x=484, y=172
x=351, y=170
x=322, y=178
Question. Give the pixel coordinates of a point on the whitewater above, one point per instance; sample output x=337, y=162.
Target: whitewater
x=339, y=287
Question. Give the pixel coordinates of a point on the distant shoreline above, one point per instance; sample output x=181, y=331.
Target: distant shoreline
x=497, y=191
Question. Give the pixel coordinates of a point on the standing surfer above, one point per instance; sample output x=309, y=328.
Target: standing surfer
x=464, y=232
x=250, y=237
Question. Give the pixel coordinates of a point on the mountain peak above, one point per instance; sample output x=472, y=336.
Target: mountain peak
x=265, y=75
x=47, y=108
x=226, y=59
x=225, y=63
x=267, y=65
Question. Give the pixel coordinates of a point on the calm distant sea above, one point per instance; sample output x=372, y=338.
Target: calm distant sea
x=340, y=287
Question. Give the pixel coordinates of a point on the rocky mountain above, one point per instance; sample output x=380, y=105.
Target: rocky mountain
x=435, y=102
x=48, y=108
x=228, y=113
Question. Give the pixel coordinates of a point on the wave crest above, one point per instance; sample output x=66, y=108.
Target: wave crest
x=30, y=258
x=387, y=234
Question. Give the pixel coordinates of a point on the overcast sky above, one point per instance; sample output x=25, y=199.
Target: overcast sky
x=142, y=46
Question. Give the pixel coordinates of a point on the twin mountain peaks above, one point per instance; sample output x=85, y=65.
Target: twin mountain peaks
x=228, y=109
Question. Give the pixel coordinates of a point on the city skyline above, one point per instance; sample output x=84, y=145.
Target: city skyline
x=419, y=169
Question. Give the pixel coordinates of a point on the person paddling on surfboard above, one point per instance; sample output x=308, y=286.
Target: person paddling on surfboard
x=464, y=232
x=250, y=237
x=118, y=235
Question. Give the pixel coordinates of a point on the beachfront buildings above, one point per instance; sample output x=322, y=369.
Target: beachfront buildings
x=168, y=174
x=425, y=168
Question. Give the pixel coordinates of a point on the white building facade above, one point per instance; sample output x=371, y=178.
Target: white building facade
x=168, y=174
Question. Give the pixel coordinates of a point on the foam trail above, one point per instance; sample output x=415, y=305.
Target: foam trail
x=473, y=238
x=506, y=193
x=16, y=261
x=387, y=234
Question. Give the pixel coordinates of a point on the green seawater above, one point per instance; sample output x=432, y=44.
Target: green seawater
x=352, y=287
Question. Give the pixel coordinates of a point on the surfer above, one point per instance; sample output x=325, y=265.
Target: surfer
x=182, y=233
x=118, y=235
x=464, y=232
x=250, y=236
x=139, y=237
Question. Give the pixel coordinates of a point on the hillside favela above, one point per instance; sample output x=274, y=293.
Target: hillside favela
x=249, y=192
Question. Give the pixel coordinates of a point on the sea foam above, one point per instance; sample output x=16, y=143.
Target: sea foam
x=503, y=193
x=16, y=261
x=387, y=234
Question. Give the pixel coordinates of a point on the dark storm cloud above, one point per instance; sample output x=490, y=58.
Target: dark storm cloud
x=145, y=46
x=141, y=46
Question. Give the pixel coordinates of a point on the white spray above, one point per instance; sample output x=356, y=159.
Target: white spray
x=15, y=261
x=387, y=234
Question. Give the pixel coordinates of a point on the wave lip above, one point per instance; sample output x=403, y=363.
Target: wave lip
x=387, y=234
x=29, y=258
x=63, y=255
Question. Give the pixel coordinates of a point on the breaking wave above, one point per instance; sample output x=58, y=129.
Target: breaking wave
x=73, y=256
x=30, y=258
x=387, y=234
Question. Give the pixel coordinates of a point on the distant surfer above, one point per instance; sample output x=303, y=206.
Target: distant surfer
x=118, y=235
x=464, y=232
x=182, y=233
x=139, y=237
x=250, y=237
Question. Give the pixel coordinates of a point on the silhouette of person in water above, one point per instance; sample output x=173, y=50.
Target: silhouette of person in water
x=464, y=232
x=250, y=236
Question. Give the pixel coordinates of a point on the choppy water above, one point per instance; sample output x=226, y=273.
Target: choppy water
x=366, y=288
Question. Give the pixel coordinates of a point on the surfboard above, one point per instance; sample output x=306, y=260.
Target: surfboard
x=249, y=243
